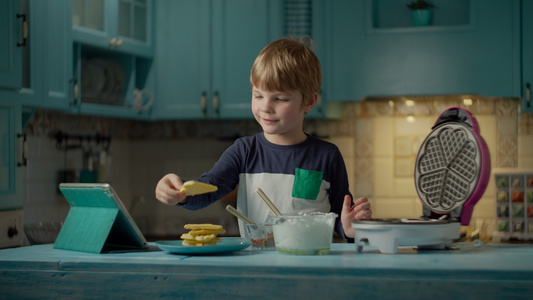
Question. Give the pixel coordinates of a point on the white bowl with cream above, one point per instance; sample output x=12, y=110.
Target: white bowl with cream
x=304, y=234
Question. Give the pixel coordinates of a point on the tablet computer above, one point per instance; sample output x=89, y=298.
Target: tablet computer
x=97, y=221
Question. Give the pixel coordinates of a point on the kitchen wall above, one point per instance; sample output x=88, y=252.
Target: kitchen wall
x=140, y=153
x=379, y=139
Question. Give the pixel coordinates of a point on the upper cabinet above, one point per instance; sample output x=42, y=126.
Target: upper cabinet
x=204, y=52
x=121, y=25
x=116, y=58
x=471, y=47
x=527, y=54
x=112, y=53
x=58, y=80
x=20, y=52
x=12, y=39
x=42, y=66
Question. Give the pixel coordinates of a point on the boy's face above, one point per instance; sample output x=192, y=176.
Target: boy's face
x=280, y=114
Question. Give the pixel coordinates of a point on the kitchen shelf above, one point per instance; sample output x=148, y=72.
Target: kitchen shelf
x=117, y=97
x=393, y=15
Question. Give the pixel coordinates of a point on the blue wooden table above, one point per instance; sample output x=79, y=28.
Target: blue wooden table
x=470, y=272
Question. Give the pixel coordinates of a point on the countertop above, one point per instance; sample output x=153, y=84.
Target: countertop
x=477, y=271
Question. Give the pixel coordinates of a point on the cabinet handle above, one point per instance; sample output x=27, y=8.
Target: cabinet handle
x=24, y=30
x=115, y=42
x=215, y=102
x=203, y=102
x=24, y=150
x=75, y=91
x=528, y=94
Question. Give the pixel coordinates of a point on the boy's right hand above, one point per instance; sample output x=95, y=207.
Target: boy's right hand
x=168, y=190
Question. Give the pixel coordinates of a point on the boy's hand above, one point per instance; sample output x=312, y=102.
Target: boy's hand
x=358, y=211
x=168, y=190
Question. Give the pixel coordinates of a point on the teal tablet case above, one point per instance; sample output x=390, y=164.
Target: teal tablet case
x=97, y=221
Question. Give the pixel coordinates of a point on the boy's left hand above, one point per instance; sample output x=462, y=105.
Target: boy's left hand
x=358, y=211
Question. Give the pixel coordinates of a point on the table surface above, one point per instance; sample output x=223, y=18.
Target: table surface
x=477, y=269
x=466, y=258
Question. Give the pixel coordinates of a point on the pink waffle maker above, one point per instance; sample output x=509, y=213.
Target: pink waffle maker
x=452, y=171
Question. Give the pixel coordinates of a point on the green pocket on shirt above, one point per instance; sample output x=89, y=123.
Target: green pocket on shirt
x=306, y=184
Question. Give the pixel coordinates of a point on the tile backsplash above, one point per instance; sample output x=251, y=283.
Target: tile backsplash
x=379, y=139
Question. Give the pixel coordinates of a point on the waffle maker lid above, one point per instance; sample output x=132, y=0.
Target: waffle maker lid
x=452, y=167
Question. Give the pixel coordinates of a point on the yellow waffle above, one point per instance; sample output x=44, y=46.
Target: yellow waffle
x=195, y=232
x=198, y=244
x=199, y=238
x=201, y=234
x=191, y=188
x=202, y=226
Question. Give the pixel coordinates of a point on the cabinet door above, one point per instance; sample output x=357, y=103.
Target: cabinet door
x=182, y=58
x=527, y=54
x=21, y=65
x=57, y=55
x=10, y=52
x=134, y=25
x=122, y=25
x=480, y=57
x=241, y=29
x=90, y=21
x=10, y=155
x=205, y=50
x=322, y=48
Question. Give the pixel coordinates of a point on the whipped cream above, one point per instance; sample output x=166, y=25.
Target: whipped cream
x=307, y=233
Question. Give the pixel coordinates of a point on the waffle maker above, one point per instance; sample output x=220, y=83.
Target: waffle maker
x=452, y=171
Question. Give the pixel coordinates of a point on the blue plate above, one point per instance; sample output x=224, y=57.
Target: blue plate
x=226, y=245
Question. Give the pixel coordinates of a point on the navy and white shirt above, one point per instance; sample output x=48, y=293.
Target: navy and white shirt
x=310, y=176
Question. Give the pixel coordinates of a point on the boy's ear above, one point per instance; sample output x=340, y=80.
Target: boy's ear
x=311, y=103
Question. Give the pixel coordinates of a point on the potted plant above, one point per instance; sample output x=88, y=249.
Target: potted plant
x=421, y=12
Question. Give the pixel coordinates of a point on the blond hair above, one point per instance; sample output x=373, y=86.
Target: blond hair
x=286, y=65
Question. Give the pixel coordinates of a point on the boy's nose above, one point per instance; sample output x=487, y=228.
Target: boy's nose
x=267, y=106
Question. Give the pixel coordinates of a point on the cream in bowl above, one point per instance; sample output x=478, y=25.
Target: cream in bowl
x=304, y=234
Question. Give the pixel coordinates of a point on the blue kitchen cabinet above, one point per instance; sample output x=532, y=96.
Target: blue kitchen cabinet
x=109, y=66
x=56, y=61
x=11, y=43
x=322, y=48
x=61, y=59
x=11, y=160
x=371, y=56
x=119, y=25
x=527, y=54
x=204, y=52
x=20, y=68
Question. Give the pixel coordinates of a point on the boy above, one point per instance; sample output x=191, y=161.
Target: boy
x=298, y=172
